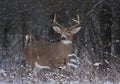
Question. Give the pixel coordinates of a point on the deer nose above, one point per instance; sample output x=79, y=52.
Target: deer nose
x=63, y=38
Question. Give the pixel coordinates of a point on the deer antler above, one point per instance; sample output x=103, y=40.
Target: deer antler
x=56, y=23
x=77, y=21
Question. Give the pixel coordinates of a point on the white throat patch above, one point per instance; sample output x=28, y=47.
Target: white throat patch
x=66, y=42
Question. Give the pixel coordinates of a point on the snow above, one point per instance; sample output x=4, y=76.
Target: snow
x=2, y=72
x=70, y=55
x=62, y=67
x=30, y=79
x=107, y=61
x=117, y=41
x=97, y=64
x=38, y=68
x=72, y=60
x=41, y=67
x=26, y=37
x=52, y=81
x=28, y=76
x=72, y=65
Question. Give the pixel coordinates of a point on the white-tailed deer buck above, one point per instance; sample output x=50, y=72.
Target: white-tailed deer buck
x=52, y=54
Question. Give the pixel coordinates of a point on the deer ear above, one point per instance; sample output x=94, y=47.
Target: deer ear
x=75, y=30
x=57, y=29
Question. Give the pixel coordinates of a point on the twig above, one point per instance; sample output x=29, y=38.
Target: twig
x=92, y=10
x=9, y=50
x=96, y=5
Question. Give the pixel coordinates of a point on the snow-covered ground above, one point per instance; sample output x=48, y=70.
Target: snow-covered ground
x=28, y=77
x=74, y=73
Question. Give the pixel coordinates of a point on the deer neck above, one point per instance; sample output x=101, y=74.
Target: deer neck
x=68, y=41
x=66, y=45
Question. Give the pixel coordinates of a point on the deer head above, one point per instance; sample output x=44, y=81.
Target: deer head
x=66, y=33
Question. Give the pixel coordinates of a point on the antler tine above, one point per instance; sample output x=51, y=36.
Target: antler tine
x=55, y=22
x=77, y=21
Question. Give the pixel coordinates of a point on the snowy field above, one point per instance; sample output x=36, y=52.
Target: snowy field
x=42, y=75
